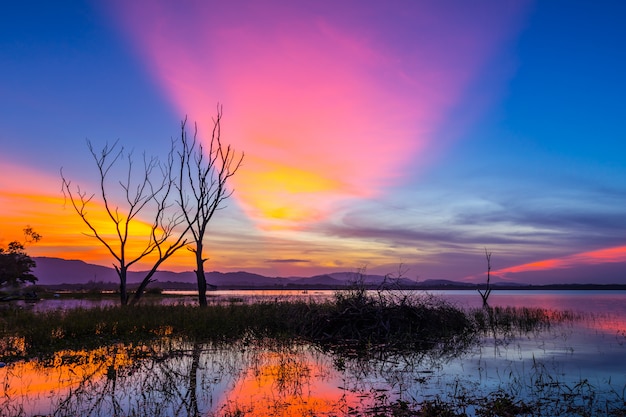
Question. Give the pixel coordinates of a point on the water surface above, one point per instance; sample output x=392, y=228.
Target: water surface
x=583, y=360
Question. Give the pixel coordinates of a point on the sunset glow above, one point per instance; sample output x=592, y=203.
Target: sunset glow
x=600, y=256
x=285, y=150
x=40, y=204
x=375, y=133
x=325, y=108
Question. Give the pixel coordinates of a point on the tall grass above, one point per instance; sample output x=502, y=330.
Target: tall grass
x=505, y=320
x=349, y=321
x=84, y=328
x=354, y=321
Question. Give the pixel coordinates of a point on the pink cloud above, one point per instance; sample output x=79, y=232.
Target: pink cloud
x=601, y=256
x=328, y=101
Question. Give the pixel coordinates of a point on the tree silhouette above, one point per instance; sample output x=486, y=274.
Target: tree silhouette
x=15, y=264
x=202, y=187
x=145, y=194
x=484, y=294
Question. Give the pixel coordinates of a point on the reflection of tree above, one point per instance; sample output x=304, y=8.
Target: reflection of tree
x=260, y=377
x=192, y=409
x=166, y=379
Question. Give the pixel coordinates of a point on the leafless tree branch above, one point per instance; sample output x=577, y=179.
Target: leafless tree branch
x=202, y=186
x=145, y=194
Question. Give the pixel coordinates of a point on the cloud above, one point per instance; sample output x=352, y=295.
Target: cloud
x=288, y=261
x=330, y=102
x=595, y=257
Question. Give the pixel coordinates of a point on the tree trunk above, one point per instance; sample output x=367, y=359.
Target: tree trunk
x=121, y=272
x=140, y=290
x=192, y=409
x=200, y=277
x=146, y=280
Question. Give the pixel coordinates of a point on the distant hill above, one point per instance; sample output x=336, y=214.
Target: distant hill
x=56, y=271
x=52, y=271
x=62, y=271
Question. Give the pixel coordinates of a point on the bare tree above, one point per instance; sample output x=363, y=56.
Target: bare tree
x=146, y=194
x=487, y=291
x=204, y=173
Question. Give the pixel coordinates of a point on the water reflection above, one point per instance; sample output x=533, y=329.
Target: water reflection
x=575, y=361
x=267, y=378
x=177, y=378
x=169, y=378
x=286, y=381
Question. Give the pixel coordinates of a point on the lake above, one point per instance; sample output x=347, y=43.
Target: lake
x=577, y=367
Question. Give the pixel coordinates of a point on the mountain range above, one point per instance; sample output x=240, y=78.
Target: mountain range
x=56, y=271
x=77, y=274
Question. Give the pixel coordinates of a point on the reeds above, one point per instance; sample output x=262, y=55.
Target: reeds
x=356, y=322
x=505, y=320
x=353, y=322
x=348, y=321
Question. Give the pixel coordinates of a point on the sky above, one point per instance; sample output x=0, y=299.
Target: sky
x=401, y=137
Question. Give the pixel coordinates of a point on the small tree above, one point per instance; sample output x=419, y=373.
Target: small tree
x=202, y=187
x=15, y=264
x=146, y=194
x=485, y=294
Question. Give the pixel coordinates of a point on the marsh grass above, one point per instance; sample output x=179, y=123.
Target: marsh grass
x=359, y=323
x=355, y=322
x=505, y=320
x=46, y=332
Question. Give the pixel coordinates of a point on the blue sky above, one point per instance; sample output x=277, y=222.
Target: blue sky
x=374, y=134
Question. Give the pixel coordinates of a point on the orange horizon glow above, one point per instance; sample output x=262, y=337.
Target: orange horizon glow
x=37, y=201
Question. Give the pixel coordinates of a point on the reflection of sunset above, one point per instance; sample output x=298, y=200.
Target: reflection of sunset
x=612, y=325
x=66, y=371
x=289, y=384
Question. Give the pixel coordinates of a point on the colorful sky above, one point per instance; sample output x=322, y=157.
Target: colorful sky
x=376, y=134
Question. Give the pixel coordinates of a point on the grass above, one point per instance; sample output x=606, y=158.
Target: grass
x=505, y=320
x=354, y=323
x=80, y=328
